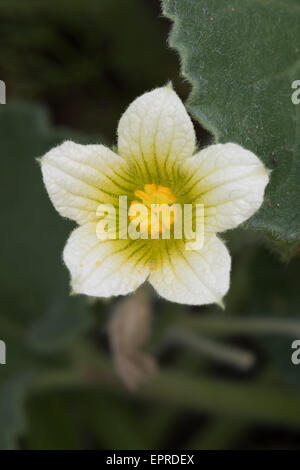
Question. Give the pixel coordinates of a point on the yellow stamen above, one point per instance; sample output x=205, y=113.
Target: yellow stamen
x=155, y=194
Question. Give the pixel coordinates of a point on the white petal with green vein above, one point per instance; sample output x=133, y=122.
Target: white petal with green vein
x=155, y=131
x=80, y=177
x=230, y=181
x=156, y=141
x=104, y=269
x=193, y=277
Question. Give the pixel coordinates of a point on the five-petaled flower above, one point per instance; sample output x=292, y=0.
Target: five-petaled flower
x=156, y=143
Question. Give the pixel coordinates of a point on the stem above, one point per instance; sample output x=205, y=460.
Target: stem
x=223, y=353
x=221, y=324
x=253, y=402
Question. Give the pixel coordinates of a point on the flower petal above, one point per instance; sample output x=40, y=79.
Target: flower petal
x=229, y=181
x=155, y=131
x=193, y=277
x=80, y=177
x=104, y=269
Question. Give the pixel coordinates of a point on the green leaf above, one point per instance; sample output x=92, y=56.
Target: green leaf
x=38, y=318
x=241, y=59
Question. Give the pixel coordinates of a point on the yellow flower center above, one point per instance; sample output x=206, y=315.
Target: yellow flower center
x=154, y=220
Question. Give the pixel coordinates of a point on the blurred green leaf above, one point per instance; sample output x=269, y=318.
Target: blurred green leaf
x=256, y=401
x=274, y=291
x=38, y=318
x=241, y=59
x=86, y=60
x=12, y=396
x=84, y=419
x=262, y=305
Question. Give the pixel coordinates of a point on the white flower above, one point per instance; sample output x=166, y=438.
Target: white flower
x=155, y=160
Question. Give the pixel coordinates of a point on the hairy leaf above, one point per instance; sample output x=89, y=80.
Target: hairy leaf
x=241, y=59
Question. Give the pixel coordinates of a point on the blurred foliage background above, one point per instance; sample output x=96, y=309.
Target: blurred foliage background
x=224, y=378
